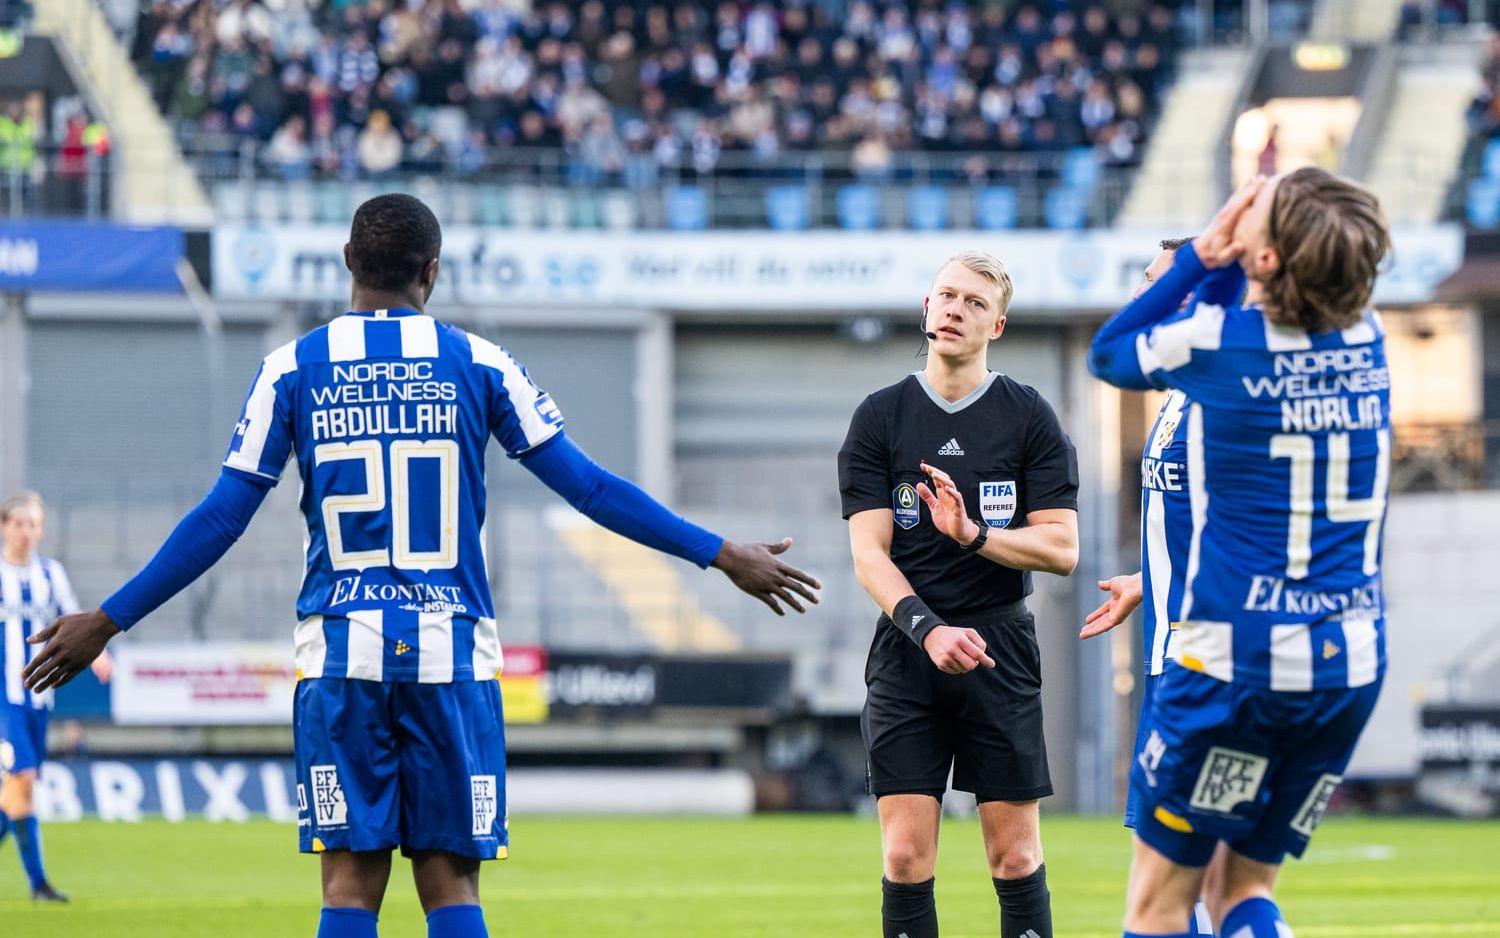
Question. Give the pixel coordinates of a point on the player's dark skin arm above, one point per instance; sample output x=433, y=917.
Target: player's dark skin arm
x=73, y=642
x=755, y=569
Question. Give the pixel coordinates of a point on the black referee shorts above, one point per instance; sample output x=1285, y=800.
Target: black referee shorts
x=986, y=725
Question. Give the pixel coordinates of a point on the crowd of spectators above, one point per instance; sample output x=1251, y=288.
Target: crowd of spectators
x=340, y=88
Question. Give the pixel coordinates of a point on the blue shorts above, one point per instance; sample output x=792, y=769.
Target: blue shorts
x=415, y=766
x=23, y=738
x=1142, y=732
x=1246, y=765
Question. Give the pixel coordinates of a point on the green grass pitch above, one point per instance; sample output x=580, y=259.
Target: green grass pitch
x=784, y=876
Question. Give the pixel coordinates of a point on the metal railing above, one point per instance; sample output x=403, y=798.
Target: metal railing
x=49, y=183
x=536, y=187
x=1445, y=457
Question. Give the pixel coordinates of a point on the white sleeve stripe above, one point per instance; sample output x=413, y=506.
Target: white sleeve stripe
x=62, y=588
x=523, y=394
x=419, y=338
x=254, y=472
x=260, y=410
x=1169, y=347
x=346, y=339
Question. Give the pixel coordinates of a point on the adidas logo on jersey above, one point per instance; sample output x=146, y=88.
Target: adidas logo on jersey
x=951, y=448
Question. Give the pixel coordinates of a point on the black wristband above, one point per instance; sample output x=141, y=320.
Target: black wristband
x=912, y=617
x=979, y=539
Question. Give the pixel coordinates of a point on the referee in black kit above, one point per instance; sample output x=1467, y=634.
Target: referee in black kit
x=954, y=675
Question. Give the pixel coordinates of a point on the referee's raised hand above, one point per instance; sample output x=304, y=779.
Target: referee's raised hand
x=755, y=569
x=946, y=504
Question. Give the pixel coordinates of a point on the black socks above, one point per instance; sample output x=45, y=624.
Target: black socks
x=907, y=910
x=1025, y=906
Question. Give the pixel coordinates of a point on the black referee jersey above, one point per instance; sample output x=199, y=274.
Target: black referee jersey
x=1006, y=452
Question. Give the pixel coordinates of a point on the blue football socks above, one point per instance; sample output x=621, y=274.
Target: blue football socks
x=347, y=923
x=1255, y=918
x=29, y=843
x=456, y=921
x=5, y=827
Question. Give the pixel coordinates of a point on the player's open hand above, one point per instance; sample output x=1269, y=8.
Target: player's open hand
x=1216, y=247
x=955, y=650
x=72, y=644
x=755, y=569
x=946, y=504
x=1124, y=596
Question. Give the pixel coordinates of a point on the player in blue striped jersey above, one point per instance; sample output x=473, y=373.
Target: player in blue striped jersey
x=1165, y=526
x=397, y=723
x=34, y=590
x=1277, y=649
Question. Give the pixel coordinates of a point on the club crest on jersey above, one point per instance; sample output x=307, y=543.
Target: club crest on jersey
x=486, y=803
x=1229, y=778
x=997, y=502
x=329, y=807
x=904, y=504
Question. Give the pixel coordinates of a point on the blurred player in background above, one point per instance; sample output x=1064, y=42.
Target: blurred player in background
x=1278, y=651
x=34, y=590
x=954, y=673
x=1166, y=525
x=399, y=734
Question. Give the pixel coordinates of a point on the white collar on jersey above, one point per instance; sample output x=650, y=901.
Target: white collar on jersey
x=954, y=407
x=392, y=313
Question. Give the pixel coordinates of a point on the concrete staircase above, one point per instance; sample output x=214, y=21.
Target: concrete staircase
x=645, y=583
x=1423, y=138
x=152, y=182
x=1177, y=183
x=1355, y=20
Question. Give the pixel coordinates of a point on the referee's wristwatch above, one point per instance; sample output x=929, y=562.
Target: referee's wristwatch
x=979, y=539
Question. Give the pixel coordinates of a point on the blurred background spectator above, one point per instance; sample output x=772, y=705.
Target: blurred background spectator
x=632, y=87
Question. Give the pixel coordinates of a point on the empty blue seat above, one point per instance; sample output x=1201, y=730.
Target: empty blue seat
x=996, y=208
x=1483, y=203
x=1492, y=159
x=1065, y=207
x=787, y=208
x=927, y=208
x=858, y=207
x=1081, y=168
x=687, y=208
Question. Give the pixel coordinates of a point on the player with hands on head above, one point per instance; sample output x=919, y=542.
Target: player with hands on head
x=957, y=483
x=1265, y=694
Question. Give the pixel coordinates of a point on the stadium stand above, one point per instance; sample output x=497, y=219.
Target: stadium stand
x=1480, y=195
x=721, y=115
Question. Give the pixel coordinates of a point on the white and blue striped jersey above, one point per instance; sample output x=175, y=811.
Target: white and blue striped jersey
x=388, y=414
x=1166, y=526
x=31, y=596
x=1288, y=449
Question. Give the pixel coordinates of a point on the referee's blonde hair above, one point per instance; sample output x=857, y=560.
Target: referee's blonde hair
x=18, y=501
x=990, y=268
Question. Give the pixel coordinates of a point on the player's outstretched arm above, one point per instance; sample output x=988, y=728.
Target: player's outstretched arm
x=1124, y=596
x=755, y=569
x=622, y=507
x=74, y=642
